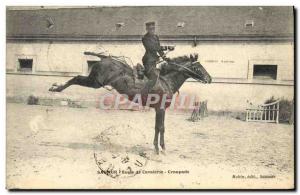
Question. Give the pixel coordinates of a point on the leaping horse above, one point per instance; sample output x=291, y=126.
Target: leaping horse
x=112, y=72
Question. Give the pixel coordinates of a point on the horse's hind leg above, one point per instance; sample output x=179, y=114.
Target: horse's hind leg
x=86, y=81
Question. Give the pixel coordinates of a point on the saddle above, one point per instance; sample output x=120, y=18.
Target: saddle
x=139, y=70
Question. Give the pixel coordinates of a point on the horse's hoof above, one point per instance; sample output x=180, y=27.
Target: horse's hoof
x=163, y=152
x=56, y=88
x=52, y=89
x=156, y=151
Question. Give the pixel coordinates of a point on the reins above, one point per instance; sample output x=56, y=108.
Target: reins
x=191, y=71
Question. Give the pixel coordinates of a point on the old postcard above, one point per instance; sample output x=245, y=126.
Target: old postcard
x=158, y=97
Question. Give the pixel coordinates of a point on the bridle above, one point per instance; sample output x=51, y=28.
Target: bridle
x=188, y=69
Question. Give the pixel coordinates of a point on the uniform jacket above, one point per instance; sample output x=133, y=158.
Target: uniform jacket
x=153, y=48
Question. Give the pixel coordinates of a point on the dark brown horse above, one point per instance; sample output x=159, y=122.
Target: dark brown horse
x=110, y=71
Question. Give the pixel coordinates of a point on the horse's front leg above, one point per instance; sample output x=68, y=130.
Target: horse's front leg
x=159, y=129
x=155, y=142
x=162, y=132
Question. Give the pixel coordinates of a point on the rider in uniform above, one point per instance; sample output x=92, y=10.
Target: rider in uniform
x=153, y=52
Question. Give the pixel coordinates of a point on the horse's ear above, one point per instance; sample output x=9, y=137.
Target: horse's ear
x=196, y=56
x=192, y=58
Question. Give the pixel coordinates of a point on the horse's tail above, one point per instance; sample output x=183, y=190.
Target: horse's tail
x=100, y=55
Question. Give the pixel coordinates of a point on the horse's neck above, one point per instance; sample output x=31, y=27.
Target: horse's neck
x=176, y=80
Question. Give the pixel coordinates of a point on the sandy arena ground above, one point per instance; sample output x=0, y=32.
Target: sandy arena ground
x=61, y=147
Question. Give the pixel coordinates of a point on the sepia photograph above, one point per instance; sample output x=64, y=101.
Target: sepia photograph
x=150, y=97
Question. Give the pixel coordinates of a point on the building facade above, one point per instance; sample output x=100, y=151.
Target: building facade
x=248, y=51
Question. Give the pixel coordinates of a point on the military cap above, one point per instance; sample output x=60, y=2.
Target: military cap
x=150, y=24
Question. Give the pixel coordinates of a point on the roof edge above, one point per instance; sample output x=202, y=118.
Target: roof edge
x=162, y=38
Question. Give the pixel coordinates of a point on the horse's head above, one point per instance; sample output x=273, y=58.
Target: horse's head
x=196, y=71
x=190, y=67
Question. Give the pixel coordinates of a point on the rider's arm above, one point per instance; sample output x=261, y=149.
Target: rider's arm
x=161, y=49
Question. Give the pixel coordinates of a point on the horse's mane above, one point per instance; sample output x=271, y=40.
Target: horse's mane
x=168, y=67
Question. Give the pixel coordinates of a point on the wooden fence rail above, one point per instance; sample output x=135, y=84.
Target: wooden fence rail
x=200, y=111
x=264, y=113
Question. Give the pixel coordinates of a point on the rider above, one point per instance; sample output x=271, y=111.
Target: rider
x=153, y=52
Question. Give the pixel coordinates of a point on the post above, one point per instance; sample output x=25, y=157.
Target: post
x=274, y=111
x=206, y=109
x=277, y=117
x=291, y=119
x=269, y=107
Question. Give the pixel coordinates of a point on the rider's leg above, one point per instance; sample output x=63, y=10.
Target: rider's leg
x=152, y=75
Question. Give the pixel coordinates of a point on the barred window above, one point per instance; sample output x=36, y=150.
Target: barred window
x=265, y=71
x=25, y=65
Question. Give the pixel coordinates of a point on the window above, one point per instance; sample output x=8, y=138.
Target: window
x=50, y=23
x=25, y=65
x=265, y=72
x=120, y=25
x=249, y=23
x=180, y=24
x=91, y=64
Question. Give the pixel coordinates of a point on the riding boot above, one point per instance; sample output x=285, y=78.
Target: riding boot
x=152, y=76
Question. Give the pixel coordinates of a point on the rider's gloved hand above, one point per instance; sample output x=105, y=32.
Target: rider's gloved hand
x=171, y=48
x=164, y=48
x=165, y=58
